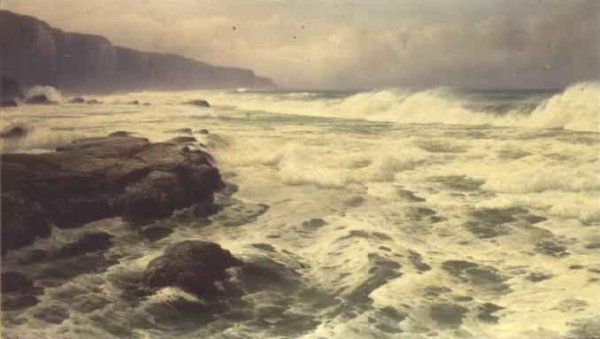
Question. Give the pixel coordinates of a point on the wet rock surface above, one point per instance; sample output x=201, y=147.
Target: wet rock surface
x=193, y=266
x=199, y=103
x=97, y=178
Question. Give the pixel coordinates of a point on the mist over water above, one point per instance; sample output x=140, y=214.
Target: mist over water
x=390, y=213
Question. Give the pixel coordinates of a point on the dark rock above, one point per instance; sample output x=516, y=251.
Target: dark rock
x=120, y=134
x=134, y=102
x=93, y=102
x=10, y=89
x=155, y=233
x=13, y=132
x=77, y=100
x=8, y=103
x=198, y=103
x=90, y=242
x=203, y=131
x=15, y=281
x=193, y=266
x=40, y=99
x=96, y=178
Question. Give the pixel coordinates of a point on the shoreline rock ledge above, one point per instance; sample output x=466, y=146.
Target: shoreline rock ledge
x=97, y=178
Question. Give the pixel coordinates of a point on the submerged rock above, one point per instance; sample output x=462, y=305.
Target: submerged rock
x=193, y=266
x=13, y=133
x=97, y=178
x=77, y=100
x=198, y=103
x=41, y=99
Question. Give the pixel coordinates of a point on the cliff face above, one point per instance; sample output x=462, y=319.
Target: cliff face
x=33, y=53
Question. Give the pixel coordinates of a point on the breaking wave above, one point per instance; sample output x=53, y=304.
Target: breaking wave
x=575, y=108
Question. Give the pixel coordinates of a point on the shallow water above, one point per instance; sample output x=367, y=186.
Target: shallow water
x=384, y=214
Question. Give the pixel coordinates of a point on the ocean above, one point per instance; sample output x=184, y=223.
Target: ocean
x=393, y=213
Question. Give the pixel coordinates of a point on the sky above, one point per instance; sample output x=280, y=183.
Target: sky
x=344, y=44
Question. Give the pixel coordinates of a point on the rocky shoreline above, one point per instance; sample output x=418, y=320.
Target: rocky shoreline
x=115, y=176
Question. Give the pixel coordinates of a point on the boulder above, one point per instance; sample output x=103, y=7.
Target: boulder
x=77, y=100
x=13, y=132
x=96, y=178
x=192, y=266
x=198, y=103
x=40, y=99
x=10, y=89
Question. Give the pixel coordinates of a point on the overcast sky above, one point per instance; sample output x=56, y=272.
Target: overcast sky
x=356, y=43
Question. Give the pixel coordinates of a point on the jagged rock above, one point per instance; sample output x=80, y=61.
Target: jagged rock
x=13, y=133
x=96, y=178
x=198, y=103
x=193, y=266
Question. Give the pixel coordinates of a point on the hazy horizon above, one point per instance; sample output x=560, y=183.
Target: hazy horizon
x=338, y=45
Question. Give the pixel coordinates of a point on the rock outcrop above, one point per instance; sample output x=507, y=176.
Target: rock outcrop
x=33, y=53
x=97, y=178
x=193, y=266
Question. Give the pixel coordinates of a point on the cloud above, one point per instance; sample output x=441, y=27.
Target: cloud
x=352, y=43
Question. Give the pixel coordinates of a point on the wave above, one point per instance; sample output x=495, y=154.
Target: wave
x=50, y=92
x=575, y=108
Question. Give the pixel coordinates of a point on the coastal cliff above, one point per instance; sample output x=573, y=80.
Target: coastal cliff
x=34, y=53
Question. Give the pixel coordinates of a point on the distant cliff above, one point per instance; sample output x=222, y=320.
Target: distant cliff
x=33, y=53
